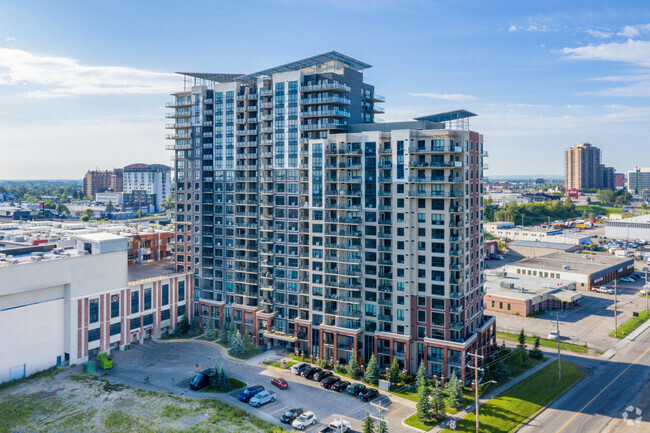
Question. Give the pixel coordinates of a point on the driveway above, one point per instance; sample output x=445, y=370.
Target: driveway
x=171, y=366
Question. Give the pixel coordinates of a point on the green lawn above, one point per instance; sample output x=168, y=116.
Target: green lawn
x=511, y=408
x=598, y=208
x=414, y=422
x=234, y=384
x=191, y=334
x=278, y=365
x=543, y=342
x=250, y=352
x=626, y=328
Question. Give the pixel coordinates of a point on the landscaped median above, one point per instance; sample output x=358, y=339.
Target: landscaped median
x=544, y=342
x=510, y=409
x=626, y=328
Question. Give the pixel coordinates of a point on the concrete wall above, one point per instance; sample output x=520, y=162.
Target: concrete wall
x=518, y=307
x=32, y=335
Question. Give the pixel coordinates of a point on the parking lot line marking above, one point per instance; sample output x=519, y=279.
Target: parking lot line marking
x=397, y=410
x=271, y=413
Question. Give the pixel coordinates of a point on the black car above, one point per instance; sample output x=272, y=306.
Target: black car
x=368, y=394
x=322, y=375
x=310, y=372
x=339, y=386
x=201, y=380
x=290, y=415
x=329, y=381
x=356, y=389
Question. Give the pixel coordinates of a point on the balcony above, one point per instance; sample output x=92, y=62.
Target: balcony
x=324, y=113
x=326, y=100
x=323, y=125
x=329, y=85
x=376, y=98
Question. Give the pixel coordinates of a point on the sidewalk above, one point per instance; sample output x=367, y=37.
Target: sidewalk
x=483, y=400
x=625, y=341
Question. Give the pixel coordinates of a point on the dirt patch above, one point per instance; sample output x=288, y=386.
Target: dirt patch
x=76, y=402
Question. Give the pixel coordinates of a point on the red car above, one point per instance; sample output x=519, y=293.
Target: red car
x=280, y=383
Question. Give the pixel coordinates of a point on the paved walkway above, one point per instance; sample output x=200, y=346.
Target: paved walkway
x=488, y=397
x=625, y=341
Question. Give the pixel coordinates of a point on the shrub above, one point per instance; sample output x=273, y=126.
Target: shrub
x=354, y=369
x=340, y=369
x=324, y=364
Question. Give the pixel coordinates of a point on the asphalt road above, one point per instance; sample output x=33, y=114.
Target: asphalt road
x=608, y=388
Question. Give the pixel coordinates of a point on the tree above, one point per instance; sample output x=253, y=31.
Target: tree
x=368, y=424
x=382, y=427
x=354, y=369
x=110, y=207
x=183, y=326
x=588, y=200
x=88, y=214
x=210, y=331
x=605, y=196
x=49, y=204
x=237, y=346
x=521, y=347
x=393, y=372
x=168, y=202
x=423, y=406
x=437, y=401
x=500, y=372
x=215, y=380
x=454, y=392
x=62, y=209
x=420, y=377
x=536, y=353
x=372, y=371
x=224, y=334
x=224, y=382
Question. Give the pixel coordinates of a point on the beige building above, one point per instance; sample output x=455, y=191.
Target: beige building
x=583, y=168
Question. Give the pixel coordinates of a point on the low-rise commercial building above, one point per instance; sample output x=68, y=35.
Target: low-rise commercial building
x=524, y=295
x=541, y=248
x=64, y=305
x=537, y=233
x=586, y=270
x=638, y=180
x=629, y=228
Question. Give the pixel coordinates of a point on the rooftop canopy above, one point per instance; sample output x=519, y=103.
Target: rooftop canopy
x=320, y=59
x=447, y=117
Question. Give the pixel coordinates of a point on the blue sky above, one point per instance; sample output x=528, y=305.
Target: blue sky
x=83, y=83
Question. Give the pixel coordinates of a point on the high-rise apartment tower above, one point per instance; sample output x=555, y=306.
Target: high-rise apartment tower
x=583, y=169
x=311, y=227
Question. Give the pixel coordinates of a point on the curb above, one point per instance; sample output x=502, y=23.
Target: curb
x=625, y=341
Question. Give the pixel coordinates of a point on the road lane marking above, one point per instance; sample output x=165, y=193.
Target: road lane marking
x=603, y=390
x=285, y=407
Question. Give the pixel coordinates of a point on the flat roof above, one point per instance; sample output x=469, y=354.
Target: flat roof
x=528, y=287
x=98, y=237
x=143, y=271
x=642, y=219
x=447, y=116
x=542, y=244
x=576, y=261
x=330, y=56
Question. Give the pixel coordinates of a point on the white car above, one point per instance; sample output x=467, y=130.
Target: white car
x=299, y=367
x=553, y=335
x=262, y=398
x=644, y=291
x=304, y=420
x=342, y=426
x=604, y=289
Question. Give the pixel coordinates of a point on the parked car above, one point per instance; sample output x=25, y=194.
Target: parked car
x=280, y=383
x=310, y=372
x=644, y=291
x=290, y=415
x=604, y=289
x=339, y=426
x=368, y=394
x=299, y=367
x=627, y=279
x=262, y=397
x=339, y=386
x=553, y=335
x=356, y=389
x=329, y=381
x=304, y=420
x=250, y=392
x=322, y=375
x=201, y=380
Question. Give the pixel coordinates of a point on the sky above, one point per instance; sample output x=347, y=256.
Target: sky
x=83, y=84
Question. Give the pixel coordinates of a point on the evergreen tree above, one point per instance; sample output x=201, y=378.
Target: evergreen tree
x=224, y=385
x=354, y=369
x=454, y=392
x=215, y=379
x=393, y=372
x=372, y=371
x=521, y=347
x=423, y=406
x=210, y=331
x=237, y=346
x=224, y=334
x=536, y=353
x=368, y=424
x=110, y=207
x=382, y=427
x=437, y=401
x=183, y=326
x=421, y=376
x=500, y=372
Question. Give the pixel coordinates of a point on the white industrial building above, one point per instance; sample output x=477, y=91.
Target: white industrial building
x=629, y=228
x=65, y=305
x=505, y=230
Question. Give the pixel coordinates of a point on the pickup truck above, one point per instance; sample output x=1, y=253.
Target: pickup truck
x=261, y=398
x=340, y=426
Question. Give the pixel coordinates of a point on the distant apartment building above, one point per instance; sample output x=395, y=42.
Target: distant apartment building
x=146, y=186
x=146, y=247
x=62, y=306
x=638, y=180
x=619, y=180
x=309, y=226
x=583, y=169
x=100, y=181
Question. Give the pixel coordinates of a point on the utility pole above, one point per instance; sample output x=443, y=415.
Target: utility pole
x=476, y=370
x=557, y=328
x=646, y=288
x=615, y=311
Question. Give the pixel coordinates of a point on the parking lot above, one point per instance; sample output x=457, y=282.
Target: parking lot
x=171, y=366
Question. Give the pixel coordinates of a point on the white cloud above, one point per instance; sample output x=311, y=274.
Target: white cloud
x=629, y=32
x=64, y=77
x=531, y=28
x=631, y=51
x=446, y=96
x=9, y=39
x=512, y=29
x=599, y=34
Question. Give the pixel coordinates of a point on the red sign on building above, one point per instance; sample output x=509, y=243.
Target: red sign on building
x=573, y=193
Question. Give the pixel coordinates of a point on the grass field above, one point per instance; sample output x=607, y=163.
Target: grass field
x=250, y=352
x=505, y=413
x=626, y=328
x=543, y=342
x=598, y=209
x=414, y=422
